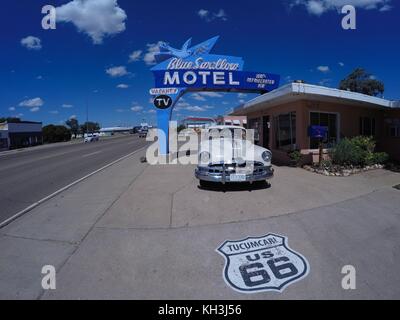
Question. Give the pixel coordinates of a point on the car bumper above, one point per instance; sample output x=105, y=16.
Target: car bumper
x=259, y=174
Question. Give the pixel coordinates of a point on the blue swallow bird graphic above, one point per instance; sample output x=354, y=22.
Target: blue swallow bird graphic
x=167, y=52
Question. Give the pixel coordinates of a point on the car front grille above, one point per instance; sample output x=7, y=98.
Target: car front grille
x=232, y=167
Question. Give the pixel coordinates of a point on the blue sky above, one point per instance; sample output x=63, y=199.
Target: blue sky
x=101, y=52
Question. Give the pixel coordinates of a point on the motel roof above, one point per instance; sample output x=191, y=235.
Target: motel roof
x=301, y=91
x=199, y=119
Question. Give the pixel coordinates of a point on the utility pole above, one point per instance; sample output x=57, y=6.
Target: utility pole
x=87, y=117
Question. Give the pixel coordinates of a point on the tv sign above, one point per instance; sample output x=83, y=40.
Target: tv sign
x=193, y=68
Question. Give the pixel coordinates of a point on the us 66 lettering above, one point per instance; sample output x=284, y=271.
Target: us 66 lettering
x=257, y=271
x=222, y=310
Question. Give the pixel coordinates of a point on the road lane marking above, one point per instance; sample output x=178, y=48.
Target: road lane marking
x=91, y=154
x=34, y=205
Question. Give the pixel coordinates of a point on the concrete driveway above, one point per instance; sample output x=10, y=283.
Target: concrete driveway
x=149, y=232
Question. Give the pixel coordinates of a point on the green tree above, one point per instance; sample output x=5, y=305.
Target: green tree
x=10, y=120
x=363, y=82
x=181, y=127
x=52, y=134
x=90, y=126
x=73, y=124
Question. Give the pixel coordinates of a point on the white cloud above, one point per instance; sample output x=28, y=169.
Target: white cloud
x=341, y=64
x=203, y=13
x=318, y=7
x=315, y=7
x=210, y=16
x=11, y=108
x=96, y=18
x=135, y=55
x=385, y=8
x=67, y=106
x=39, y=77
x=137, y=108
x=35, y=109
x=198, y=97
x=211, y=94
x=195, y=109
x=122, y=86
x=325, y=82
x=323, y=69
x=152, y=111
x=31, y=43
x=73, y=117
x=116, y=72
x=54, y=112
x=31, y=103
x=120, y=110
x=152, y=49
x=221, y=14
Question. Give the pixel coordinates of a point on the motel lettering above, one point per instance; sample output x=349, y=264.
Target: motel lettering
x=190, y=78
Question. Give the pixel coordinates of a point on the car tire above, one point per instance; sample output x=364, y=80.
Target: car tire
x=204, y=184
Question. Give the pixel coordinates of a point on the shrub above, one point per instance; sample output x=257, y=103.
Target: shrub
x=366, y=144
x=358, y=151
x=380, y=157
x=347, y=153
x=295, y=155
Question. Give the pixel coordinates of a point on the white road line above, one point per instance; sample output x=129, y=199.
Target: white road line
x=34, y=205
x=91, y=154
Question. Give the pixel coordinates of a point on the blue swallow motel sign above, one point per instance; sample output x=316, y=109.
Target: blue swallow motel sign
x=194, y=69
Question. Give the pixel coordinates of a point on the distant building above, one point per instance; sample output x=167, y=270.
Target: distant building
x=240, y=121
x=198, y=123
x=20, y=135
x=110, y=131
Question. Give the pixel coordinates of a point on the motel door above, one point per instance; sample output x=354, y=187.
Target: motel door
x=266, y=131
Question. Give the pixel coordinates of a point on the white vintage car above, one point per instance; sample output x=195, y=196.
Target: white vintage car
x=225, y=155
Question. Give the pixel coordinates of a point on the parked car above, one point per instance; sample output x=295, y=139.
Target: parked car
x=143, y=131
x=136, y=129
x=237, y=164
x=91, y=137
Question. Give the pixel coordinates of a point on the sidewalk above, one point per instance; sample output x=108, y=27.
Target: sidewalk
x=136, y=231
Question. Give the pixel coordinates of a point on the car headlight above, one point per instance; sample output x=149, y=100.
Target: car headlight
x=267, y=156
x=204, y=157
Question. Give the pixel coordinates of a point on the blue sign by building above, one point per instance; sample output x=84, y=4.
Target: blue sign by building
x=319, y=132
x=193, y=68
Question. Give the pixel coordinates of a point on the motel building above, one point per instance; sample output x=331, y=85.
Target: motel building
x=20, y=135
x=239, y=121
x=198, y=123
x=282, y=118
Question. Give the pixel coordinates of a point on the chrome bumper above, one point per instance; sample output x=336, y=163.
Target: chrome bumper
x=222, y=174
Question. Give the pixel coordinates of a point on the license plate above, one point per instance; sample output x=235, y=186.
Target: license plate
x=237, y=177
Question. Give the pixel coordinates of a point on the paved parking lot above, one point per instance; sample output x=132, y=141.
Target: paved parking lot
x=136, y=231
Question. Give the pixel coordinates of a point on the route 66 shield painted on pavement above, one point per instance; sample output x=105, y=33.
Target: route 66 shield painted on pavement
x=258, y=264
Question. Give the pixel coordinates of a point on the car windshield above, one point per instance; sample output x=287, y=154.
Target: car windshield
x=236, y=133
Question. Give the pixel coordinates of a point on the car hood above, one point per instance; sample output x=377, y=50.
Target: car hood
x=231, y=150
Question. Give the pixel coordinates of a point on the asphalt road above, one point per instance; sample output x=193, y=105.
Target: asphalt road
x=31, y=175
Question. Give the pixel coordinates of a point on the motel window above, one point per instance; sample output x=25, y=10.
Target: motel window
x=254, y=124
x=329, y=120
x=394, y=131
x=367, y=126
x=286, y=131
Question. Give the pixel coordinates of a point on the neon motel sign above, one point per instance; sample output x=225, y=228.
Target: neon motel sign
x=194, y=69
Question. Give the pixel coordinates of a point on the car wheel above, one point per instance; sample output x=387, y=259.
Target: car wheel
x=204, y=184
